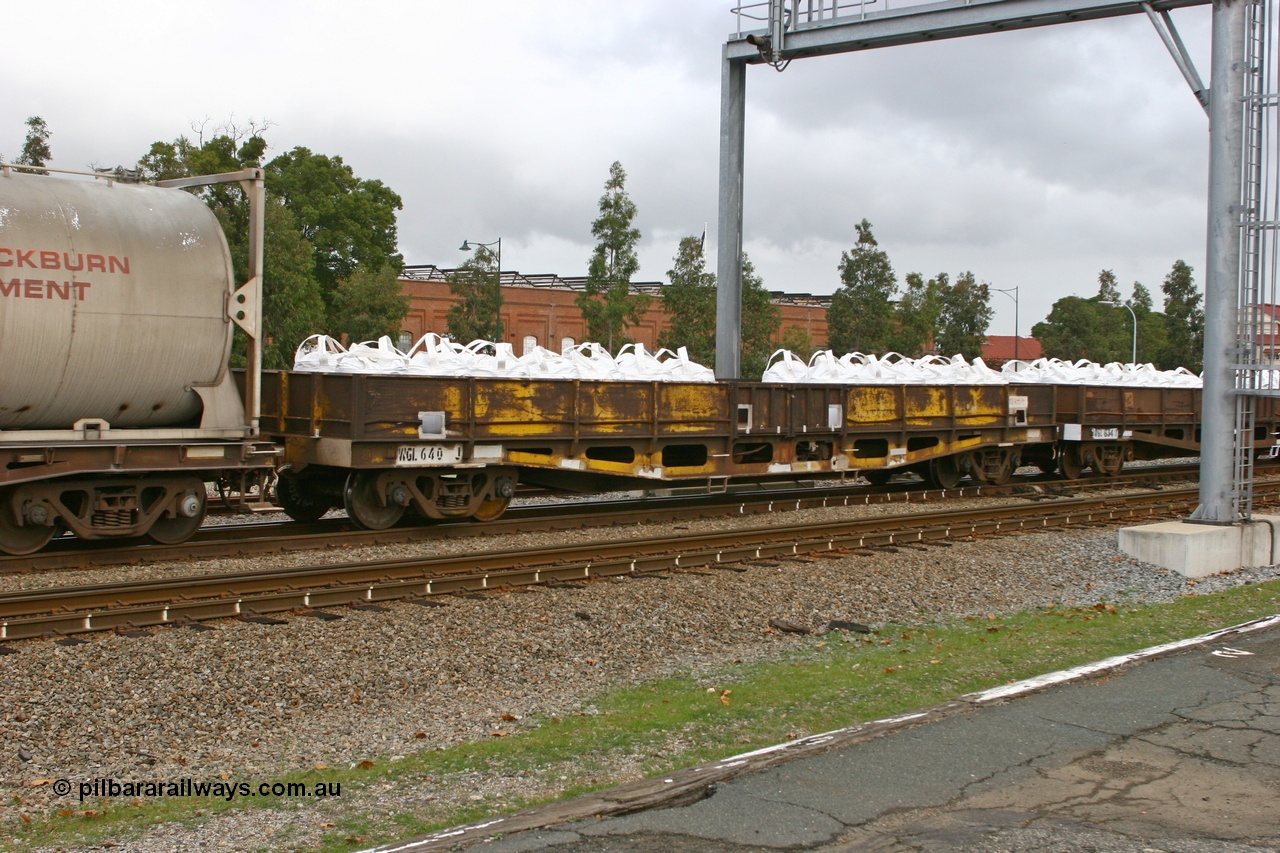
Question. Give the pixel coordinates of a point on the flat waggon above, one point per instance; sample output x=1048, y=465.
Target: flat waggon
x=380, y=445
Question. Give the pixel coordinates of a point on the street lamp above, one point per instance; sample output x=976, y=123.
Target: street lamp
x=1135, y=325
x=497, y=309
x=1014, y=297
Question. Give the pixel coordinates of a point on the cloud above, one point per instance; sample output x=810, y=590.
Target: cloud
x=1033, y=158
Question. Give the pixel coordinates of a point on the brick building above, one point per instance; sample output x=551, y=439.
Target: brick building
x=997, y=349
x=540, y=310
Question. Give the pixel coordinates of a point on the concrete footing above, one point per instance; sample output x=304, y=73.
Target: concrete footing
x=1198, y=550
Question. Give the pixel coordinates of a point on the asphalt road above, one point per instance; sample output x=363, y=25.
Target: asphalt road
x=1178, y=751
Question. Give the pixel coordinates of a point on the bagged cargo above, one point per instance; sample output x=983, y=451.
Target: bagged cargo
x=319, y=353
x=893, y=368
x=433, y=355
x=635, y=362
x=1054, y=371
x=787, y=369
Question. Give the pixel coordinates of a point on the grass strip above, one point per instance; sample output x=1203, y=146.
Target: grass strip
x=819, y=683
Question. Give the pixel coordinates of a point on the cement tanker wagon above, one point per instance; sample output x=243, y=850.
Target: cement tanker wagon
x=113, y=303
x=117, y=308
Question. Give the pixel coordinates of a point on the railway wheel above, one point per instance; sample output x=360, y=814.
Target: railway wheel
x=19, y=539
x=360, y=498
x=491, y=510
x=945, y=472
x=878, y=477
x=187, y=517
x=298, y=501
x=1069, y=463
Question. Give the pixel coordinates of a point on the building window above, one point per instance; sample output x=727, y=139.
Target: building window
x=530, y=343
x=404, y=341
x=566, y=344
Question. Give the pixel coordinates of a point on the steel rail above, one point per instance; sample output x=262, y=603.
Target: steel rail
x=70, y=610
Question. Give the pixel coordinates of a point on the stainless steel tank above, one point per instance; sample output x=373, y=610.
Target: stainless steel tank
x=113, y=303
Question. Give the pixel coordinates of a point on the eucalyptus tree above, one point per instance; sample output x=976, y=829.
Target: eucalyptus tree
x=861, y=314
x=607, y=303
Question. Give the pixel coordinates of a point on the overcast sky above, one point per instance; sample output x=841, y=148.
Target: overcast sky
x=1033, y=159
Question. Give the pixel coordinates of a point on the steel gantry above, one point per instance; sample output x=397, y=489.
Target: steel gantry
x=1239, y=332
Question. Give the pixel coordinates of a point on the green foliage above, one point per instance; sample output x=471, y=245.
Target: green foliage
x=760, y=322
x=350, y=223
x=964, y=317
x=474, y=313
x=370, y=303
x=1141, y=299
x=1153, y=337
x=1072, y=330
x=1152, y=332
x=1108, y=291
x=608, y=306
x=916, y=315
x=1079, y=328
x=860, y=318
x=689, y=300
x=35, y=149
x=1184, y=320
x=1084, y=328
x=1062, y=333
x=329, y=257
x=799, y=341
x=292, y=307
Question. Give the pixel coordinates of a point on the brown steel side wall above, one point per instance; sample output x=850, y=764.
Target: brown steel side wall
x=385, y=408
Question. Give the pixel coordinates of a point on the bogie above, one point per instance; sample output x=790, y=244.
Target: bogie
x=377, y=499
x=167, y=509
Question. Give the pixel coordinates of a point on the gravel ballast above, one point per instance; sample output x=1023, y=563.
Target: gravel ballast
x=248, y=701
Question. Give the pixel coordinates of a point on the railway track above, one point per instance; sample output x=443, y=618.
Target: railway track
x=258, y=594
x=262, y=537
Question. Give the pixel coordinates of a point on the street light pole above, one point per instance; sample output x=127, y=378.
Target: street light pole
x=497, y=302
x=1016, y=339
x=1134, y=357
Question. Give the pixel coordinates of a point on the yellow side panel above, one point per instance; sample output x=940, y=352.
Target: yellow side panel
x=695, y=402
x=872, y=404
x=981, y=402
x=693, y=408
x=517, y=408
x=931, y=401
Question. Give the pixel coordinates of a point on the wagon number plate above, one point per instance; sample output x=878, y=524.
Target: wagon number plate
x=411, y=455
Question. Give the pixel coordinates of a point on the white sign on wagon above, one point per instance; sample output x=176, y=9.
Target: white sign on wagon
x=419, y=455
